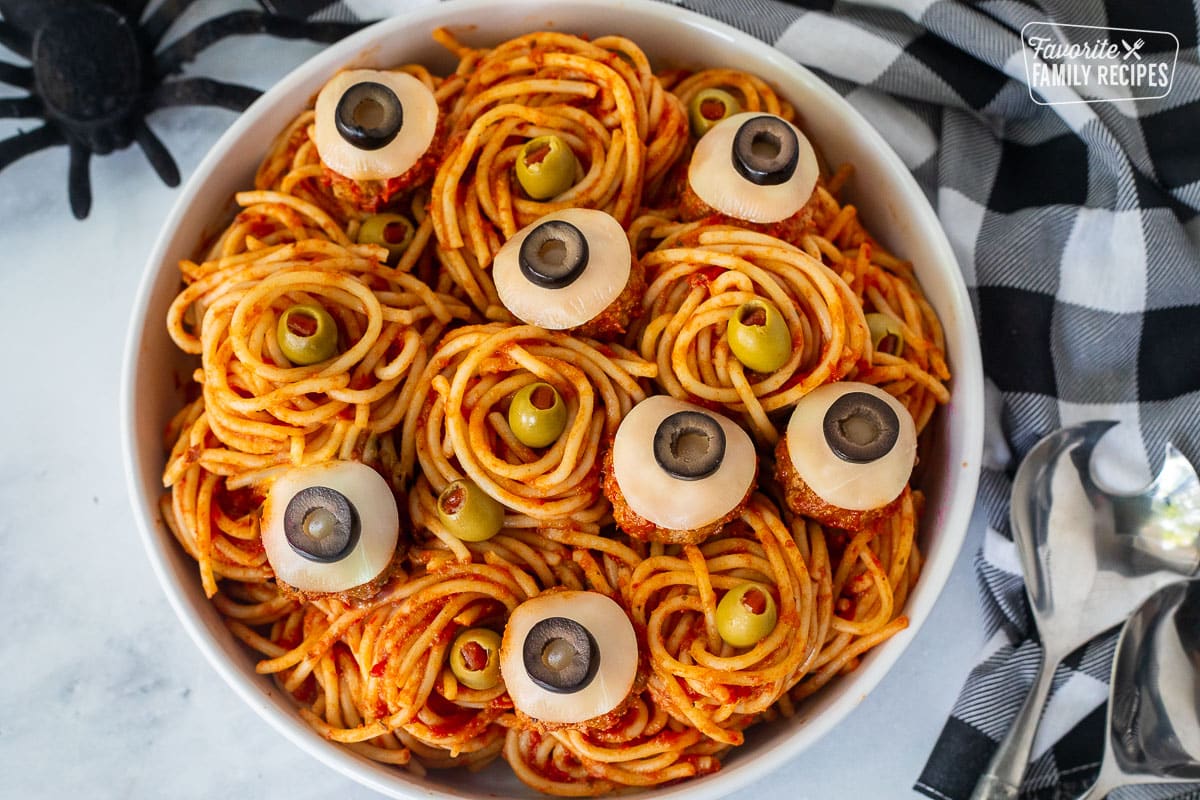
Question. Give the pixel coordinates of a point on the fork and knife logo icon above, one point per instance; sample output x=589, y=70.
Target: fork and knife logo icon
x=1132, y=49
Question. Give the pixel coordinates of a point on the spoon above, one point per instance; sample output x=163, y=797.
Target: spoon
x=1090, y=558
x=1154, y=705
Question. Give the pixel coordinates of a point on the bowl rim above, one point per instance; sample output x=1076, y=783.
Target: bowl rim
x=968, y=394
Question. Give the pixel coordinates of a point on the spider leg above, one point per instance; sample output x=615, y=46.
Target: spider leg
x=20, y=107
x=157, y=154
x=21, y=145
x=20, y=77
x=203, y=92
x=172, y=58
x=79, y=182
x=15, y=40
x=162, y=17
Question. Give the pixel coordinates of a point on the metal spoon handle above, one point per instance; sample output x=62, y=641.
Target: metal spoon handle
x=1094, y=792
x=1108, y=781
x=1002, y=779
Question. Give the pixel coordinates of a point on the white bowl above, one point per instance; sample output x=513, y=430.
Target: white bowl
x=895, y=210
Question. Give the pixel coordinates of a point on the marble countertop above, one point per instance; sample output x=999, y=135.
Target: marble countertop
x=104, y=695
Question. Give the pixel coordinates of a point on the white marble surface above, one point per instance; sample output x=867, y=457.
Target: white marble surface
x=103, y=695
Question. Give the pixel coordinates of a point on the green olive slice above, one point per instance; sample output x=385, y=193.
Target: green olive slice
x=758, y=336
x=886, y=334
x=746, y=615
x=546, y=167
x=468, y=512
x=475, y=658
x=708, y=107
x=307, y=334
x=391, y=231
x=537, y=415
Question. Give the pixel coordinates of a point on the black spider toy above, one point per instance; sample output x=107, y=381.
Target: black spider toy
x=97, y=68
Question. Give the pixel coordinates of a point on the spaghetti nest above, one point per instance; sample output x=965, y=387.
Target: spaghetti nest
x=294, y=167
x=375, y=676
x=645, y=747
x=600, y=97
x=698, y=279
x=264, y=409
x=834, y=602
x=751, y=93
x=459, y=425
x=257, y=412
x=419, y=385
x=827, y=281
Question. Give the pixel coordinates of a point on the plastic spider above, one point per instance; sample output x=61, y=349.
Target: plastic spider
x=98, y=68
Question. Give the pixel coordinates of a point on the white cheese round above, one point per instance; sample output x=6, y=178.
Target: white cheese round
x=614, y=637
x=716, y=181
x=397, y=156
x=674, y=503
x=602, y=281
x=845, y=484
x=378, y=518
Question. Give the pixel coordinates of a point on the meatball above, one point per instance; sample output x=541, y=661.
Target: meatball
x=791, y=230
x=802, y=500
x=641, y=528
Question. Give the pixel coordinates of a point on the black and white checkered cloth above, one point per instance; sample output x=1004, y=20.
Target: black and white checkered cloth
x=1076, y=229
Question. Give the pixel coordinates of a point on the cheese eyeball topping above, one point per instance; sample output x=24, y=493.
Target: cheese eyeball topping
x=853, y=444
x=754, y=166
x=563, y=270
x=681, y=466
x=330, y=527
x=373, y=124
x=568, y=656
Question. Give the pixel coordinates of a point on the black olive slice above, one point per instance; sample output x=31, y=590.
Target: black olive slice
x=369, y=115
x=689, y=445
x=554, y=254
x=320, y=524
x=560, y=655
x=860, y=427
x=766, y=151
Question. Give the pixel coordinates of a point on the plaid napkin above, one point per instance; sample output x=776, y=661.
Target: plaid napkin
x=1076, y=229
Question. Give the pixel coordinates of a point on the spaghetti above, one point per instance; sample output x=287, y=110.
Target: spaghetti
x=477, y=368
x=419, y=380
x=699, y=276
x=600, y=97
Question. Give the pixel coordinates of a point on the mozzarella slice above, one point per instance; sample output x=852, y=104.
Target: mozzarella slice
x=602, y=281
x=379, y=527
x=716, y=181
x=397, y=156
x=669, y=502
x=845, y=484
x=614, y=637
